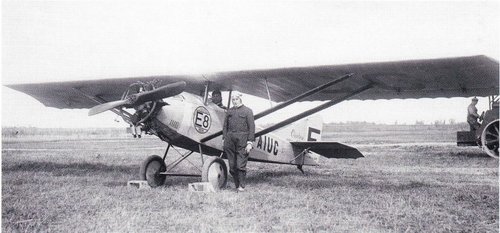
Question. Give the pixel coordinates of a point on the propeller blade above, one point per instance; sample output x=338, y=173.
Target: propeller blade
x=160, y=93
x=107, y=106
x=141, y=98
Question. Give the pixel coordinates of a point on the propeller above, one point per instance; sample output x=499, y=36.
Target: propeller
x=141, y=98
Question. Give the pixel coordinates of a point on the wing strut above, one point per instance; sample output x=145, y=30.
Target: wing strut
x=302, y=96
x=289, y=102
x=268, y=94
x=491, y=100
x=313, y=110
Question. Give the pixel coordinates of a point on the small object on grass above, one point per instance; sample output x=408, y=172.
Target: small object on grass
x=206, y=187
x=140, y=184
x=26, y=220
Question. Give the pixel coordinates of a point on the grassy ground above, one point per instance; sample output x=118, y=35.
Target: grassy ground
x=403, y=184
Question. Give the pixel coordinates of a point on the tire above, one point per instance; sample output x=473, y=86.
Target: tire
x=215, y=171
x=489, y=139
x=150, y=171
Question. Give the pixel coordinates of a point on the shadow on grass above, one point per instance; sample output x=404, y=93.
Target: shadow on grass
x=73, y=169
x=360, y=184
x=180, y=181
x=316, y=181
x=92, y=169
x=285, y=178
x=260, y=177
x=470, y=154
x=453, y=151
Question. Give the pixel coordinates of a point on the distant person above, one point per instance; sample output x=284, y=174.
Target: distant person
x=217, y=99
x=472, y=115
x=141, y=111
x=239, y=134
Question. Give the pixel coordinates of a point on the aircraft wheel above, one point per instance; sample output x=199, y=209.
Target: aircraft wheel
x=215, y=172
x=489, y=139
x=150, y=170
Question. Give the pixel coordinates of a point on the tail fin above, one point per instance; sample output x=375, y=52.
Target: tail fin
x=307, y=129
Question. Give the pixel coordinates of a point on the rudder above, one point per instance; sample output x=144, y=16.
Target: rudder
x=307, y=129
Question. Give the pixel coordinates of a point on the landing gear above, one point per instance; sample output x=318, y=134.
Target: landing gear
x=215, y=171
x=154, y=169
x=151, y=170
x=489, y=139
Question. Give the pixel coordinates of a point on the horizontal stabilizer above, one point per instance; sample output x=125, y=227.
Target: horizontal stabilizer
x=330, y=149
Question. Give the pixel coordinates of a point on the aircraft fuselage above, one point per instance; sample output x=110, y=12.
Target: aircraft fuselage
x=186, y=120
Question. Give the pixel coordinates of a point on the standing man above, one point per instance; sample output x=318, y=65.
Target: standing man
x=472, y=115
x=239, y=134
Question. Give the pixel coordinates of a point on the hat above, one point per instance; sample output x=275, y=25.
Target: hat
x=236, y=94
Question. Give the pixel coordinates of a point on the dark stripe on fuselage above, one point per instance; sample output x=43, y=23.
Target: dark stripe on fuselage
x=182, y=141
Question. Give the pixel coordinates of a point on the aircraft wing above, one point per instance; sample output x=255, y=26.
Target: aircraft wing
x=79, y=94
x=446, y=77
x=329, y=149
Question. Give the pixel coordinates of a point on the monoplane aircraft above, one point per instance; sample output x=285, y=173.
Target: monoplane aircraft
x=172, y=108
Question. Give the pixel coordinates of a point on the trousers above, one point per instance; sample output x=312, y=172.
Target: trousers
x=234, y=147
x=473, y=124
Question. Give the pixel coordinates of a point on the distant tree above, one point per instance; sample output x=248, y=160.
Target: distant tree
x=419, y=122
x=452, y=121
x=439, y=122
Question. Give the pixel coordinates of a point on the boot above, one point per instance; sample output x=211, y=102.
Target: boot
x=242, y=175
x=235, y=179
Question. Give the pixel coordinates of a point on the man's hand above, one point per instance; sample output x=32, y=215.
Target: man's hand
x=248, y=148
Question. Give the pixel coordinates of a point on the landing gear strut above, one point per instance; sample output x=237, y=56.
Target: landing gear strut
x=154, y=169
x=300, y=169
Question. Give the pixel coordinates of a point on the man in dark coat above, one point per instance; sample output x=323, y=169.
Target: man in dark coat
x=239, y=134
x=472, y=115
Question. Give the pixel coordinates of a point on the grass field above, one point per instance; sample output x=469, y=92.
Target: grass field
x=411, y=180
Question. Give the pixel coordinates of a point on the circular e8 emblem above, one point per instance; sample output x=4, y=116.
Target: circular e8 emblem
x=202, y=120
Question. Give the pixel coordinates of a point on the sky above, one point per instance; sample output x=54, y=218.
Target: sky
x=46, y=41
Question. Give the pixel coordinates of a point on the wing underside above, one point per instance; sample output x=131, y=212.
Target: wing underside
x=449, y=77
x=432, y=78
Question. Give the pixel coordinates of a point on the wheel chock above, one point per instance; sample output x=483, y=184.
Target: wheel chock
x=206, y=187
x=139, y=184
